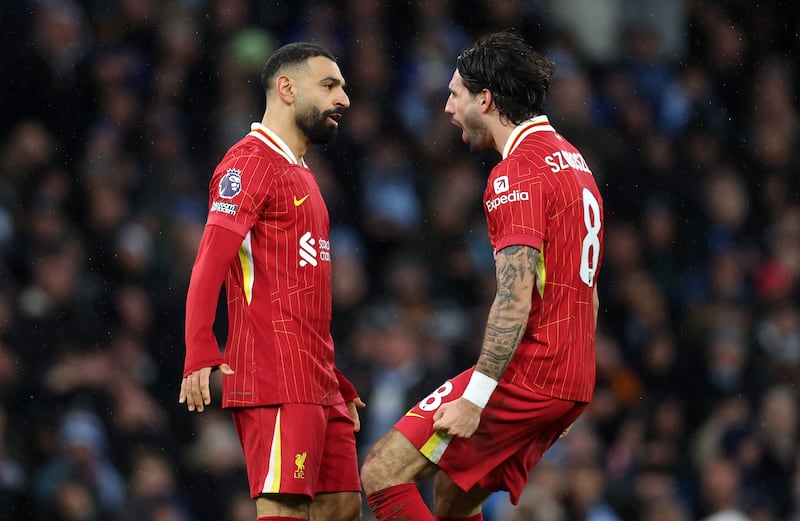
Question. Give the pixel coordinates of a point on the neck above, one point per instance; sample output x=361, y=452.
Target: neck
x=501, y=129
x=287, y=130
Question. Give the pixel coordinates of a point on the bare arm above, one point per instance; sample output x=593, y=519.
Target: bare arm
x=508, y=317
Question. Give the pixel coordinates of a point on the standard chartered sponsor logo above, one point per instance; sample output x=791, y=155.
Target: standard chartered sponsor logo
x=516, y=195
x=309, y=254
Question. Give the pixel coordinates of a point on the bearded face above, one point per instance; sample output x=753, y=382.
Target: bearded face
x=316, y=124
x=477, y=134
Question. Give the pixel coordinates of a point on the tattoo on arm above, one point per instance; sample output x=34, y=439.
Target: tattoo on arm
x=508, y=317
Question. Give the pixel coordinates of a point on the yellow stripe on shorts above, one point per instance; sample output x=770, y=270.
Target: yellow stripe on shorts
x=435, y=446
x=272, y=483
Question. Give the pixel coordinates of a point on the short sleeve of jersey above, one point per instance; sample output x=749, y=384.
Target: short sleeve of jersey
x=515, y=205
x=238, y=191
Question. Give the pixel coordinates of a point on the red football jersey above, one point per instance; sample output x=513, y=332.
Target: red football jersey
x=542, y=194
x=279, y=287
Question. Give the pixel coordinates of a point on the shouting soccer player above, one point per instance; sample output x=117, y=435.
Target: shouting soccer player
x=485, y=429
x=267, y=238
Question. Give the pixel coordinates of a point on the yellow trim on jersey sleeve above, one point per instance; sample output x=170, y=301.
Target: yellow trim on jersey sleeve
x=246, y=261
x=541, y=273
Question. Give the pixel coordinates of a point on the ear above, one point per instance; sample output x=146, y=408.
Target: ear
x=284, y=86
x=486, y=100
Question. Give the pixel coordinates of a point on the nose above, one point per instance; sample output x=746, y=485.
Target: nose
x=449, y=105
x=344, y=101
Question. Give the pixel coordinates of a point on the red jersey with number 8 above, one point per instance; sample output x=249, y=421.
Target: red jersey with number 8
x=543, y=195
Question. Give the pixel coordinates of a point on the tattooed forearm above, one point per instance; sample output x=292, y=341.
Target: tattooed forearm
x=499, y=346
x=516, y=277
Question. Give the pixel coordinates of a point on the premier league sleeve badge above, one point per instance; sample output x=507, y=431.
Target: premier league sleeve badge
x=231, y=184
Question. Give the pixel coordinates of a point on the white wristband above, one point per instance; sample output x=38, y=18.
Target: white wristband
x=479, y=389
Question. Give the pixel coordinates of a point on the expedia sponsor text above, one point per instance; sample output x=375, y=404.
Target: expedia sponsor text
x=516, y=195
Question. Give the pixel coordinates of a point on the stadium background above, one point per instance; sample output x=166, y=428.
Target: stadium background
x=114, y=113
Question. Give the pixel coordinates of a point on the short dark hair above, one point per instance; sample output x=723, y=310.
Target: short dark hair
x=518, y=77
x=289, y=55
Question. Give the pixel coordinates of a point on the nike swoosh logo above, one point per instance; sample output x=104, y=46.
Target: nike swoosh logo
x=411, y=413
x=298, y=202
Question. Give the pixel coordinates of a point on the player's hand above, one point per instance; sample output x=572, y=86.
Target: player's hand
x=457, y=418
x=353, y=407
x=195, y=388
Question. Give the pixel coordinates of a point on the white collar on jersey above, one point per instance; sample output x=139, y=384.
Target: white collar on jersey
x=272, y=140
x=522, y=130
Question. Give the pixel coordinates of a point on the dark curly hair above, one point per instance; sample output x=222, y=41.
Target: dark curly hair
x=518, y=77
x=289, y=55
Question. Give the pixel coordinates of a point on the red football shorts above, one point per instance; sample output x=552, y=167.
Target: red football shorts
x=298, y=448
x=517, y=427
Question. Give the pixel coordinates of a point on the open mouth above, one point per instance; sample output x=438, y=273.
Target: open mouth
x=464, y=136
x=335, y=116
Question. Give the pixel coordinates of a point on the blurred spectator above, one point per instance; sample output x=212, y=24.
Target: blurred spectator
x=396, y=379
x=80, y=480
x=216, y=450
x=720, y=492
x=594, y=26
x=392, y=210
x=586, y=491
x=153, y=492
x=429, y=63
x=13, y=476
x=540, y=499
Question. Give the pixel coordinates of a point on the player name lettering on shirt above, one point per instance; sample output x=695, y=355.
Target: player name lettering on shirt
x=563, y=159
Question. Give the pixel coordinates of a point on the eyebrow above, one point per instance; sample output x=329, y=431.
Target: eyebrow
x=334, y=80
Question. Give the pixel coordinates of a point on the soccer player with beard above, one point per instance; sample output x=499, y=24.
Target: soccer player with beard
x=486, y=428
x=266, y=237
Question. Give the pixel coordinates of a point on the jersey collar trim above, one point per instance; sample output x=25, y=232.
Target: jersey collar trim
x=272, y=140
x=523, y=130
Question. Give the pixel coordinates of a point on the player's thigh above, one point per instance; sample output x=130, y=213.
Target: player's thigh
x=336, y=506
x=282, y=505
x=451, y=501
x=393, y=460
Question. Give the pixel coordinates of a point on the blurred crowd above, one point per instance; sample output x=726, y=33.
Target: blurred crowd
x=115, y=112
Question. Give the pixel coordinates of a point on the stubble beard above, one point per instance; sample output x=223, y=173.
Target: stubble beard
x=315, y=125
x=476, y=134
